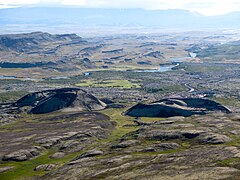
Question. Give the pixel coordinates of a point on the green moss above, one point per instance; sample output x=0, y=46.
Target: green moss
x=25, y=169
x=235, y=140
x=121, y=128
x=11, y=96
x=229, y=161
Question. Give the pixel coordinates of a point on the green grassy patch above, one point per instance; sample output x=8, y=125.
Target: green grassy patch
x=235, y=140
x=11, y=96
x=118, y=83
x=25, y=169
x=230, y=161
x=121, y=128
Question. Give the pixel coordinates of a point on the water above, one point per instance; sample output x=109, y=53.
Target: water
x=31, y=79
x=162, y=68
x=15, y=77
x=8, y=77
x=181, y=59
x=165, y=68
x=178, y=59
x=87, y=74
x=60, y=77
x=193, y=55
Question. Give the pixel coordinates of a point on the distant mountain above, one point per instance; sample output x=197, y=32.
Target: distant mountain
x=90, y=17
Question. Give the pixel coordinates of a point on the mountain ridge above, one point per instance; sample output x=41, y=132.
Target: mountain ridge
x=90, y=17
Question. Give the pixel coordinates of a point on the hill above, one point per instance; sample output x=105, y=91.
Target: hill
x=32, y=41
x=66, y=99
x=41, y=49
x=176, y=107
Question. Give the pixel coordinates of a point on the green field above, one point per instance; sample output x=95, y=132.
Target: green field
x=117, y=83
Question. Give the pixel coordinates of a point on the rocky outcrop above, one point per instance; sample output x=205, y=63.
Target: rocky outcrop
x=4, y=169
x=125, y=144
x=212, y=138
x=162, y=147
x=57, y=155
x=202, y=137
x=45, y=167
x=176, y=107
x=156, y=134
x=23, y=155
x=66, y=99
x=155, y=54
x=48, y=142
x=69, y=144
x=113, y=51
x=167, y=146
x=7, y=118
x=90, y=153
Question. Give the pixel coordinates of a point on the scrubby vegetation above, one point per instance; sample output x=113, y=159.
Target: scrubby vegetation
x=75, y=139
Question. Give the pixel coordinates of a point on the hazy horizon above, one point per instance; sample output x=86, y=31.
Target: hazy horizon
x=204, y=7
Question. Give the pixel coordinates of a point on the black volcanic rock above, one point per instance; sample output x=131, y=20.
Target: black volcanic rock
x=55, y=102
x=66, y=99
x=176, y=107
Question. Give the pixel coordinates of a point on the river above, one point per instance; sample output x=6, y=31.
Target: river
x=176, y=60
x=162, y=68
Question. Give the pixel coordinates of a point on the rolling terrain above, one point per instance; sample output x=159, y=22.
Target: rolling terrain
x=130, y=106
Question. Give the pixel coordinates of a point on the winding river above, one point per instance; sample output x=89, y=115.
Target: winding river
x=162, y=68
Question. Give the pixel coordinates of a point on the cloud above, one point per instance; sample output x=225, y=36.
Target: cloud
x=213, y=7
x=18, y=2
x=74, y=2
x=206, y=7
x=3, y=6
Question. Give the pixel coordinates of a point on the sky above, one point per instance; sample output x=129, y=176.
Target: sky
x=205, y=7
